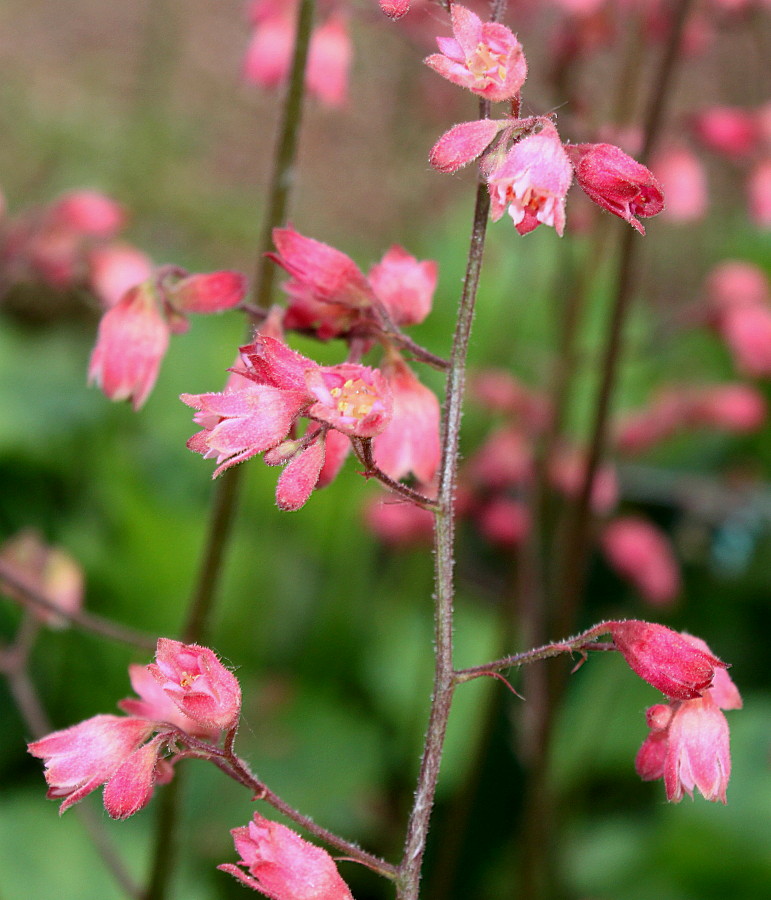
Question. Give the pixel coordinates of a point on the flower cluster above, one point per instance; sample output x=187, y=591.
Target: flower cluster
x=187, y=691
x=527, y=167
x=273, y=387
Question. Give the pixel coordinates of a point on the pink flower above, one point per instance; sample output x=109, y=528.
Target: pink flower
x=532, y=182
x=400, y=523
x=88, y=213
x=684, y=182
x=738, y=408
x=410, y=443
x=736, y=283
x=197, y=682
x=567, y=471
x=329, y=61
x=131, y=343
x=81, y=758
x=641, y=553
x=114, y=269
x=759, y=194
x=484, y=57
x=504, y=522
x=665, y=659
x=688, y=744
x=747, y=332
x=404, y=285
x=728, y=130
x=616, y=182
x=47, y=571
x=355, y=400
x=283, y=866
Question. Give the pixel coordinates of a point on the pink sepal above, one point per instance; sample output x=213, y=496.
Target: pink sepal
x=463, y=143
x=131, y=787
x=404, y=285
x=208, y=293
x=299, y=478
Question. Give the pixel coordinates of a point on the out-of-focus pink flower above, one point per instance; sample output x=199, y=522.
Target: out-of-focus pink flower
x=269, y=54
x=532, y=182
x=665, y=659
x=616, y=182
x=329, y=61
x=47, y=571
x=88, y=213
x=410, y=443
x=684, y=182
x=484, y=57
x=738, y=408
x=759, y=194
x=735, y=283
x=728, y=130
x=641, y=553
x=499, y=391
x=197, y=682
x=207, y=293
x=114, y=269
x=463, y=143
x=503, y=521
x=400, y=523
x=395, y=9
x=663, y=417
x=567, y=470
x=504, y=460
x=131, y=343
x=283, y=866
x=747, y=332
x=81, y=758
x=404, y=285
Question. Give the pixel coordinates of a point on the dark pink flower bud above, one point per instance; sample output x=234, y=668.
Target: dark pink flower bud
x=131, y=343
x=395, y=9
x=462, y=144
x=404, y=285
x=282, y=865
x=665, y=659
x=484, y=57
x=616, y=182
x=207, y=293
x=641, y=553
x=81, y=758
x=198, y=683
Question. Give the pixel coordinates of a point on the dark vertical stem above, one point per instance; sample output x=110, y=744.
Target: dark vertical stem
x=227, y=491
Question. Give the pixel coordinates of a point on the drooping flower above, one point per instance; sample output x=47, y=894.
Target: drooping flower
x=665, y=659
x=532, y=183
x=484, y=57
x=616, y=182
x=283, y=866
x=641, y=553
x=114, y=269
x=404, y=285
x=395, y=9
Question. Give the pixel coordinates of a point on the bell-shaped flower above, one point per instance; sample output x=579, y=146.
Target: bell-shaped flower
x=82, y=758
x=410, y=443
x=329, y=61
x=532, y=182
x=484, y=57
x=114, y=269
x=404, y=285
x=641, y=553
x=197, y=682
x=616, y=182
x=283, y=866
x=131, y=343
x=665, y=659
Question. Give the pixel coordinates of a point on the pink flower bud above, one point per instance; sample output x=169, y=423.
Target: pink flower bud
x=329, y=61
x=484, y=57
x=736, y=283
x=462, y=144
x=81, y=758
x=641, y=553
x=728, y=130
x=616, y=182
x=665, y=659
x=299, y=478
x=404, y=285
x=88, y=213
x=131, y=343
x=207, y=293
x=395, y=9
x=198, y=683
x=282, y=865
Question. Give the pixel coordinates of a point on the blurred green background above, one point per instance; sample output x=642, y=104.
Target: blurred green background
x=329, y=632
